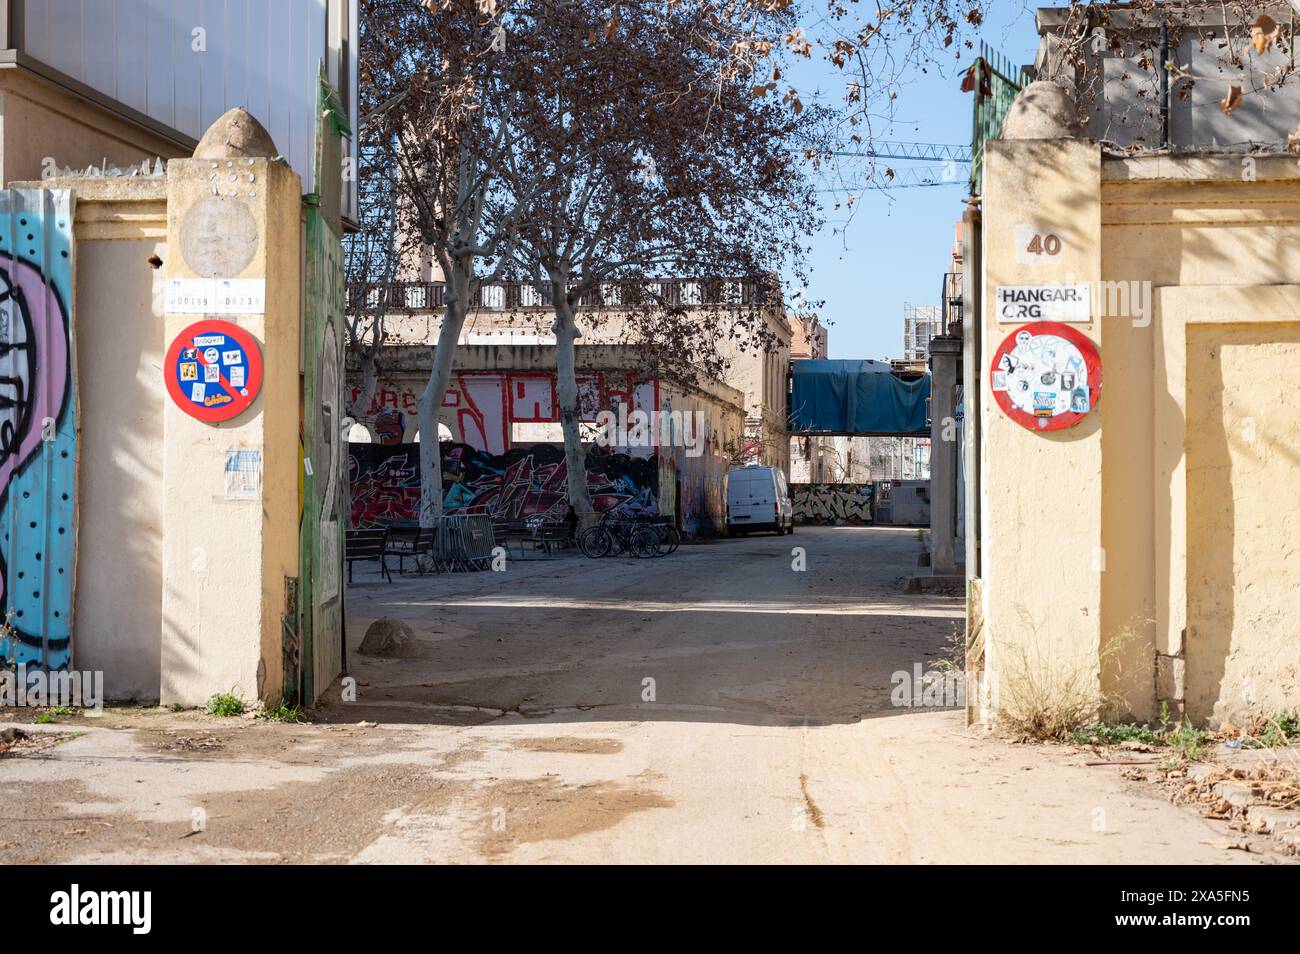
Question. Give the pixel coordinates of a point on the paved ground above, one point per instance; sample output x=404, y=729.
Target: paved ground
x=525, y=729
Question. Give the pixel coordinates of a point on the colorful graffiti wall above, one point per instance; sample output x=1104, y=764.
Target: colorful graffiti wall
x=481, y=407
x=38, y=432
x=521, y=483
x=836, y=504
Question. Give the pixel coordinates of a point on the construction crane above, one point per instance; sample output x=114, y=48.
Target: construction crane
x=953, y=156
x=917, y=151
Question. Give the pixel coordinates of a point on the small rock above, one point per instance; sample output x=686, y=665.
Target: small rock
x=1236, y=794
x=1271, y=819
x=12, y=735
x=390, y=638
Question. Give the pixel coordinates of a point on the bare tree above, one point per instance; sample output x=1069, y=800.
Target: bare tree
x=371, y=253
x=449, y=86
x=652, y=166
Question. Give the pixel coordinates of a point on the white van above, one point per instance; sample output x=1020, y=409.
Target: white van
x=758, y=498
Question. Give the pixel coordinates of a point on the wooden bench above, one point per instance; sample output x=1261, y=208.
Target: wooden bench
x=545, y=535
x=366, y=545
x=412, y=542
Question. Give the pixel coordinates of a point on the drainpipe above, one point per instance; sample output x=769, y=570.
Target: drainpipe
x=1164, y=83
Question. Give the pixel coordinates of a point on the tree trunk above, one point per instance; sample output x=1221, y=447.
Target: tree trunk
x=429, y=404
x=566, y=386
x=369, y=381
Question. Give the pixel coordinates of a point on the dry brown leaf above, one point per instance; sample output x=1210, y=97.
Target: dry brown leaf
x=1264, y=32
x=1232, y=100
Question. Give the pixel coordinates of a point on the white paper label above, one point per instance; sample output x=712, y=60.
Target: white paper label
x=216, y=296
x=1018, y=304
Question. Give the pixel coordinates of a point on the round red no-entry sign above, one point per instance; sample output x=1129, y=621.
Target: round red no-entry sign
x=213, y=370
x=1046, y=376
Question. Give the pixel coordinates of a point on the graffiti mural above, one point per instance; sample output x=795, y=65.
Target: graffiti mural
x=389, y=427
x=521, y=483
x=384, y=483
x=832, y=503
x=38, y=428
x=481, y=406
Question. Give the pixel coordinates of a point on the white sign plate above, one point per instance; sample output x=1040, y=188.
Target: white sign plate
x=1018, y=304
x=216, y=296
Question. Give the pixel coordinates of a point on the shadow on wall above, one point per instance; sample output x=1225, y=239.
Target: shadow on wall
x=1243, y=504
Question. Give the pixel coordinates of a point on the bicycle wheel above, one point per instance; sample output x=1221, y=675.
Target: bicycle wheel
x=671, y=539
x=594, y=542
x=644, y=543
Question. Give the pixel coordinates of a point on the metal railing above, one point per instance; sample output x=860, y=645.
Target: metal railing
x=996, y=83
x=511, y=296
x=950, y=301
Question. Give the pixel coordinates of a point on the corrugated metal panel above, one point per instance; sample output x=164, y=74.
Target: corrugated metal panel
x=38, y=430
x=185, y=62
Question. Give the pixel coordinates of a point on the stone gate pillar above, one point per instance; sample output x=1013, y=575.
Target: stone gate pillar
x=230, y=442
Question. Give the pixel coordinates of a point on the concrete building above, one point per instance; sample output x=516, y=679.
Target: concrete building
x=502, y=404
x=920, y=324
x=1143, y=555
x=518, y=313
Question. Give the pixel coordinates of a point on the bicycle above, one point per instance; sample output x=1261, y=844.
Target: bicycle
x=613, y=536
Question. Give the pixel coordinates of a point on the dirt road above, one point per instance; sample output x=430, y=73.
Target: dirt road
x=713, y=706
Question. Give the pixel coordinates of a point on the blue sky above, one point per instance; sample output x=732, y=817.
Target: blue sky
x=895, y=246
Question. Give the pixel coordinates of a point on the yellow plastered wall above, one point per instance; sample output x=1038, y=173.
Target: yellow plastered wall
x=225, y=561
x=1191, y=525
x=1243, y=457
x=1041, y=491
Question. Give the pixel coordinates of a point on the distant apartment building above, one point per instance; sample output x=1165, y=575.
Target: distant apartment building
x=920, y=324
x=810, y=341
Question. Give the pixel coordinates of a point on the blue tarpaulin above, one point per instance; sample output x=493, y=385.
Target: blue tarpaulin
x=856, y=397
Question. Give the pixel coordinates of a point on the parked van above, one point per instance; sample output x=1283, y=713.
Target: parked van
x=758, y=498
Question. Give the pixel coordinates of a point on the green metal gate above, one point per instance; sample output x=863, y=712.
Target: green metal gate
x=996, y=82
x=322, y=522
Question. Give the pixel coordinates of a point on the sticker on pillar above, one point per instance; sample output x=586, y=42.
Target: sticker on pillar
x=1046, y=376
x=213, y=370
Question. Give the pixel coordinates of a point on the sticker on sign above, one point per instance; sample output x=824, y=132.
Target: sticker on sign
x=1065, y=303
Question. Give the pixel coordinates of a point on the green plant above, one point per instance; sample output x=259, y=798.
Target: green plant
x=225, y=704
x=177, y=707
x=283, y=713
x=1188, y=739
x=8, y=642
x=1282, y=730
x=1102, y=733
x=45, y=718
x=62, y=710
x=1184, y=738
